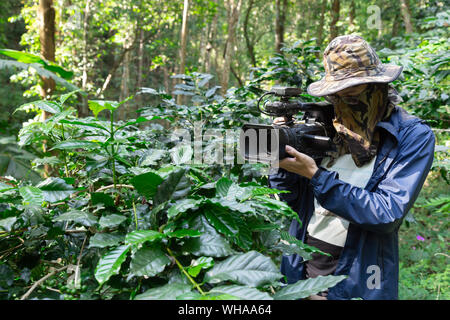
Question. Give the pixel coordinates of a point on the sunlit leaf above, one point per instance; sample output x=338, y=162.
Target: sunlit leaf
x=110, y=263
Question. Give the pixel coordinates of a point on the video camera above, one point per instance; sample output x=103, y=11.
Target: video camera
x=312, y=136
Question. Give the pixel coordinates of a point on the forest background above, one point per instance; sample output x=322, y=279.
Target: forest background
x=206, y=60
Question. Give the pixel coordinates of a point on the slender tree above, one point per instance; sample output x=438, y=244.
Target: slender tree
x=323, y=7
x=406, y=13
x=280, y=17
x=183, y=43
x=233, y=11
x=334, y=32
x=248, y=41
x=46, y=14
x=140, y=66
x=84, y=79
x=211, y=47
x=351, y=14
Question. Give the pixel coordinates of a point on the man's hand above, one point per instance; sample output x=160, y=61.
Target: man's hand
x=280, y=121
x=301, y=163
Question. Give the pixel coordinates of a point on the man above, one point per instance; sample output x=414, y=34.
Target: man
x=352, y=203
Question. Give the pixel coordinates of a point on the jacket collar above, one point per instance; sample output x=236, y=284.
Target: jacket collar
x=391, y=124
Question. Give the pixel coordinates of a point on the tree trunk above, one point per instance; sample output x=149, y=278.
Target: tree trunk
x=280, y=17
x=248, y=42
x=140, y=68
x=406, y=13
x=46, y=14
x=84, y=81
x=166, y=78
x=334, y=32
x=352, y=15
x=395, y=26
x=124, y=88
x=119, y=60
x=204, y=46
x=211, y=37
x=233, y=10
x=321, y=22
x=183, y=43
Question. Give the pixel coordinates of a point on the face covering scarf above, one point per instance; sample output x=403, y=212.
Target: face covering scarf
x=356, y=118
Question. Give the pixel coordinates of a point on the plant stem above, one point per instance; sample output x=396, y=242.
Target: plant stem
x=64, y=152
x=25, y=296
x=135, y=215
x=112, y=149
x=185, y=273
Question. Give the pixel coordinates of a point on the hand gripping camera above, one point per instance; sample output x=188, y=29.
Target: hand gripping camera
x=313, y=135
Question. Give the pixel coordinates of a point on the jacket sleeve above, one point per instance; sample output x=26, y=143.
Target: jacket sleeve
x=383, y=209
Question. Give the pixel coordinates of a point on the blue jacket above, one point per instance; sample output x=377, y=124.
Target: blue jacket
x=375, y=213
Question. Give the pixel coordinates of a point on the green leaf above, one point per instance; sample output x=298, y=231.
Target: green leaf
x=29, y=58
x=291, y=248
x=6, y=187
x=85, y=123
x=140, y=236
x=137, y=121
x=259, y=191
x=23, y=57
x=251, y=269
x=76, y=144
x=97, y=106
x=208, y=296
x=63, y=98
x=181, y=154
x=110, y=263
x=275, y=205
x=77, y=216
x=222, y=187
x=32, y=196
x=184, y=233
x=242, y=292
x=55, y=189
x=183, y=205
x=167, y=292
x=146, y=184
x=111, y=221
x=304, y=288
x=230, y=224
x=210, y=243
x=148, y=262
x=45, y=105
x=46, y=160
x=103, y=240
x=103, y=198
x=293, y=240
x=198, y=264
x=211, y=91
x=57, y=118
x=151, y=156
x=222, y=220
x=6, y=224
x=41, y=70
x=231, y=205
x=174, y=187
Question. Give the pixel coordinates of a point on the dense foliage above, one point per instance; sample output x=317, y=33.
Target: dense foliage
x=99, y=198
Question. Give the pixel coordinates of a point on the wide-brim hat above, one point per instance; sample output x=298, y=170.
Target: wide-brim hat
x=349, y=61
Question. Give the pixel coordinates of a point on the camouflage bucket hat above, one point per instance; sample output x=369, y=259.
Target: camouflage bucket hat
x=349, y=61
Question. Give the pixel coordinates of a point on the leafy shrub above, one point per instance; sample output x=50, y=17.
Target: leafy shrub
x=118, y=222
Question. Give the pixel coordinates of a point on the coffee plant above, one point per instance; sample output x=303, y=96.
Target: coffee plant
x=124, y=214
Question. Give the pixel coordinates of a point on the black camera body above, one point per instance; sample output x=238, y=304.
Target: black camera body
x=312, y=136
